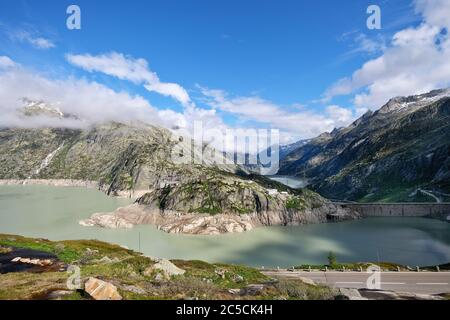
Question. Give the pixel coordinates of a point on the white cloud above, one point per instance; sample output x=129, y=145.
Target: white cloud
x=302, y=124
x=91, y=102
x=127, y=68
x=293, y=125
x=37, y=42
x=369, y=45
x=416, y=61
x=435, y=12
x=362, y=43
x=6, y=62
x=341, y=116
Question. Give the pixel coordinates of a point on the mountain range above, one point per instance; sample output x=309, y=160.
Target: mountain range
x=141, y=161
x=401, y=152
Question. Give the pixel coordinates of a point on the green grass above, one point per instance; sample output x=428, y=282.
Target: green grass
x=201, y=280
x=25, y=285
x=297, y=290
x=67, y=251
x=203, y=270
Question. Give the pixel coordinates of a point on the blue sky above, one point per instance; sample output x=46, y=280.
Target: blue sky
x=285, y=58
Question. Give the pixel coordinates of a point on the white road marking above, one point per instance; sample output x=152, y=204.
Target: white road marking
x=433, y=284
x=392, y=283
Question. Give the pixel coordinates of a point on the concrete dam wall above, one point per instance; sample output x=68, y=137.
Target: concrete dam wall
x=435, y=210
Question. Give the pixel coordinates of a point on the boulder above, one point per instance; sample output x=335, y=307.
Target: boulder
x=234, y=291
x=101, y=290
x=167, y=267
x=308, y=281
x=105, y=220
x=220, y=272
x=238, y=278
x=4, y=250
x=107, y=260
x=35, y=262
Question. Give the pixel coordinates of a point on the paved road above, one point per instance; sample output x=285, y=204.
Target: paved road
x=422, y=282
x=430, y=194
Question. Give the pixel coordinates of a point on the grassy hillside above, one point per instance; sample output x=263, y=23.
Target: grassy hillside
x=129, y=272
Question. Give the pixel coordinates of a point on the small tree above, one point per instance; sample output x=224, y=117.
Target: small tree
x=332, y=260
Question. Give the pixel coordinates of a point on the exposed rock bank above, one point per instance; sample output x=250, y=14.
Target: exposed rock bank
x=50, y=182
x=204, y=224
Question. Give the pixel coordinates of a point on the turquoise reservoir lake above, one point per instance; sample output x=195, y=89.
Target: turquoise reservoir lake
x=53, y=213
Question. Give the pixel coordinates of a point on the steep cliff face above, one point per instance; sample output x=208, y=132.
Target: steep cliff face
x=122, y=158
x=390, y=155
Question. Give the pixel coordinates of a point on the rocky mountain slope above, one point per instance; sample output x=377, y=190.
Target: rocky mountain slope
x=399, y=153
x=144, y=162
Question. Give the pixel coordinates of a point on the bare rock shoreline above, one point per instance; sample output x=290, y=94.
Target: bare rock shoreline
x=204, y=224
x=171, y=222
x=134, y=194
x=51, y=182
x=192, y=223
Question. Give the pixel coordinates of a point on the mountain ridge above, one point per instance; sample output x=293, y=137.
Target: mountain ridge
x=145, y=163
x=386, y=155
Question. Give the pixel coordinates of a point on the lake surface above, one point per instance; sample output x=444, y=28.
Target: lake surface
x=53, y=213
x=293, y=182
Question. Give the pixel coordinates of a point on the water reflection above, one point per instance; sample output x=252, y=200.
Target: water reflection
x=292, y=182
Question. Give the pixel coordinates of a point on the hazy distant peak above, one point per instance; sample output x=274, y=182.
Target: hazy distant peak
x=40, y=108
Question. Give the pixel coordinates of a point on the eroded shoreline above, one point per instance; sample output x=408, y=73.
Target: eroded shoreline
x=133, y=194
x=51, y=182
x=204, y=224
x=192, y=223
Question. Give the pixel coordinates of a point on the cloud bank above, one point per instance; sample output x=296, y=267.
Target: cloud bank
x=416, y=61
x=303, y=123
x=127, y=68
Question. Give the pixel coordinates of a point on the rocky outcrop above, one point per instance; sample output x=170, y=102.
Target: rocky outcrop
x=101, y=290
x=167, y=268
x=109, y=221
x=27, y=260
x=206, y=224
x=213, y=202
x=171, y=222
x=36, y=262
